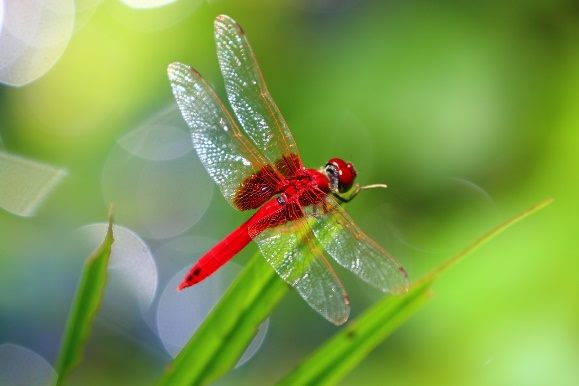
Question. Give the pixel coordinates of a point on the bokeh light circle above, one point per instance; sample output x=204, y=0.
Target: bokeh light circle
x=408, y=236
x=1, y=15
x=180, y=313
x=34, y=35
x=146, y=4
x=162, y=137
x=85, y=9
x=158, y=199
x=152, y=15
x=22, y=366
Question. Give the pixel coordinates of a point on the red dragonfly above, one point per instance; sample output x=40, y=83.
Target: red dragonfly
x=298, y=215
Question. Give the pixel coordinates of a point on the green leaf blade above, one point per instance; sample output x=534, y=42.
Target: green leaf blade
x=86, y=303
x=353, y=343
x=225, y=334
x=485, y=238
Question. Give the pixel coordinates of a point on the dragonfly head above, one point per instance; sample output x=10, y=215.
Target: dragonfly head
x=341, y=175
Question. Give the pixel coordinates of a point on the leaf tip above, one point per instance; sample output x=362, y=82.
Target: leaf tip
x=111, y=220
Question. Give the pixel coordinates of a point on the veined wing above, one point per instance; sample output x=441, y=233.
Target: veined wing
x=351, y=248
x=292, y=251
x=250, y=99
x=228, y=156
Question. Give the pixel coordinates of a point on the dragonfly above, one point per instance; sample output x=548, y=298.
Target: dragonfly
x=299, y=219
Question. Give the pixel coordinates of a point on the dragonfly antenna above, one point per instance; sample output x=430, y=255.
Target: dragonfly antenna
x=372, y=186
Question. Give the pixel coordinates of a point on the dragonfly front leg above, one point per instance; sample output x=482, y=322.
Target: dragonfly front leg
x=350, y=194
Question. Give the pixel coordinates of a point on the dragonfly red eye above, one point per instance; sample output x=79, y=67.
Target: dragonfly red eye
x=346, y=173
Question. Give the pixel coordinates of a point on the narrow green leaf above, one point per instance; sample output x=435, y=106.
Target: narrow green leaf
x=350, y=346
x=86, y=302
x=225, y=334
x=491, y=234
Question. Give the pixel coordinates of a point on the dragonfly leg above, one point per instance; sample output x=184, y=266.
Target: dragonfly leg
x=349, y=195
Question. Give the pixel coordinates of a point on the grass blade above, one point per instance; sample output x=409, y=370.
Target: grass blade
x=347, y=348
x=351, y=345
x=86, y=302
x=229, y=328
x=491, y=234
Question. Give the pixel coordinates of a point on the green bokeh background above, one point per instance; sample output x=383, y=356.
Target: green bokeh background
x=469, y=112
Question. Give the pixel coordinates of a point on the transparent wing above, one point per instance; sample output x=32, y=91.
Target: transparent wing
x=291, y=250
x=250, y=99
x=351, y=248
x=231, y=160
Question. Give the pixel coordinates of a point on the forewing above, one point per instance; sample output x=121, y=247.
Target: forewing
x=250, y=99
x=228, y=156
x=351, y=248
x=291, y=250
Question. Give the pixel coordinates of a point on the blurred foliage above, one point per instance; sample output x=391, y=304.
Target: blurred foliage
x=468, y=111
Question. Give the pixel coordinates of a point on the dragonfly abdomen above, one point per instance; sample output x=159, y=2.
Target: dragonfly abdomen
x=217, y=256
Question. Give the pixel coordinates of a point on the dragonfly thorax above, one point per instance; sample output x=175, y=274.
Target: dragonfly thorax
x=302, y=188
x=306, y=180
